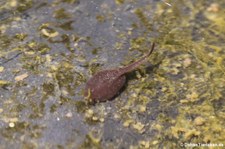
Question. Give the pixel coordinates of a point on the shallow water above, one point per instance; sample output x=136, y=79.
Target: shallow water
x=48, y=50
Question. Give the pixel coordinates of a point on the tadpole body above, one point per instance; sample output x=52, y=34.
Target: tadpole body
x=106, y=84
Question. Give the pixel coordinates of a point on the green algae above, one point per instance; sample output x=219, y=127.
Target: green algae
x=20, y=128
x=119, y=2
x=23, y=5
x=21, y=36
x=207, y=86
x=69, y=1
x=91, y=141
x=19, y=6
x=61, y=14
x=144, y=20
x=201, y=80
x=67, y=25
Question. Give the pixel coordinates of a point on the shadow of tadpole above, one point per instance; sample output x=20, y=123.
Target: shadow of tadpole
x=132, y=76
x=149, y=69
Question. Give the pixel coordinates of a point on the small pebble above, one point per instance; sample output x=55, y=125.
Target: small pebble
x=127, y=123
x=21, y=77
x=139, y=126
x=48, y=34
x=69, y=114
x=187, y=62
x=11, y=124
x=142, y=109
x=214, y=7
x=89, y=113
x=199, y=121
x=155, y=142
x=145, y=144
x=94, y=118
x=102, y=120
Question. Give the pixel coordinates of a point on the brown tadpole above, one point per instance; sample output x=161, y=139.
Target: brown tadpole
x=106, y=84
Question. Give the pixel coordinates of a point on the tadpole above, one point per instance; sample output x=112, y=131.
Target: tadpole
x=106, y=84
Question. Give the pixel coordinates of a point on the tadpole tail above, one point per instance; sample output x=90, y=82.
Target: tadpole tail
x=135, y=64
x=152, y=48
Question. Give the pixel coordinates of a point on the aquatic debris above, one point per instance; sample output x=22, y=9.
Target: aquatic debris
x=21, y=77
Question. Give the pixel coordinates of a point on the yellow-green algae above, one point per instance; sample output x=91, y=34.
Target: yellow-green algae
x=201, y=66
x=18, y=5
